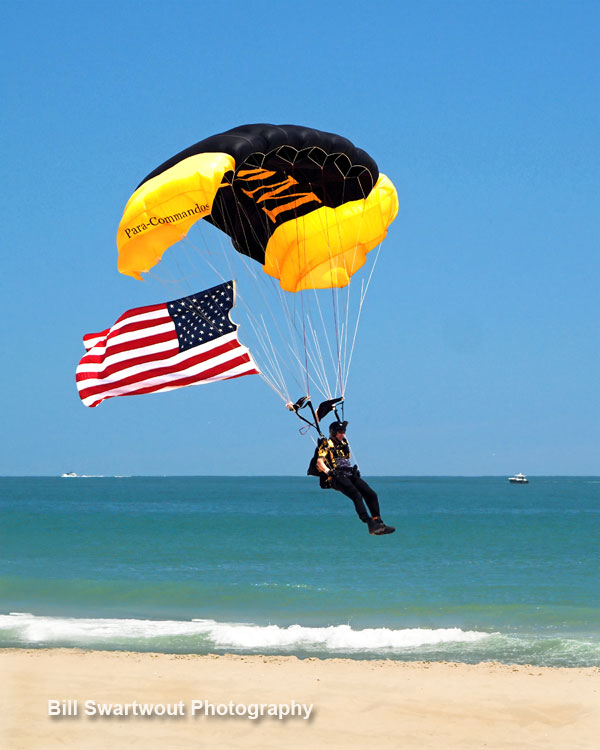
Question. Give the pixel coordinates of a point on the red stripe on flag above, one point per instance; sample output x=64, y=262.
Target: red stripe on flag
x=128, y=314
x=93, y=336
x=139, y=377
x=106, y=372
x=140, y=325
x=178, y=382
x=139, y=311
x=126, y=346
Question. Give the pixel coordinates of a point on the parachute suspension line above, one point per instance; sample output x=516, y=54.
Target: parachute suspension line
x=266, y=372
x=302, y=308
x=337, y=333
x=295, y=334
x=344, y=327
x=291, y=323
x=345, y=338
x=364, y=290
x=304, y=342
x=325, y=227
x=317, y=375
x=326, y=336
x=325, y=327
x=325, y=388
x=315, y=357
x=319, y=363
x=346, y=359
x=260, y=286
x=263, y=335
x=268, y=351
x=303, y=318
x=312, y=359
x=272, y=373
x=251, y=272
x=284, y=307
x=184, y=279
x=271, y=370
x=336, y=368
x=340, y=327
x=186, y=242
x=277, y=391
x=274, y=358
x=312, y=378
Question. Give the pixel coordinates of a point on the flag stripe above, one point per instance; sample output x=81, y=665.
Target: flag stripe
x=90, y=362
x=131, y=338
x=131, y=376
x=148, y=309
x=163, y=362
x=130, y=348
x=164, y=346
x=155, y=353
x=91, y=339
x=240, y=365
x=140, y=313
x=135, y=326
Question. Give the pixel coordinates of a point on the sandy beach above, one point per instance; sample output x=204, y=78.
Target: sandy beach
x=181, y=701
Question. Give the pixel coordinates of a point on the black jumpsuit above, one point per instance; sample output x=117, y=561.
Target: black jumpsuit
x=336, y=454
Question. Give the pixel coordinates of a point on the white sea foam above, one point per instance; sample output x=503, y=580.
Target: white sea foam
x=33, y=629
x=334, y=637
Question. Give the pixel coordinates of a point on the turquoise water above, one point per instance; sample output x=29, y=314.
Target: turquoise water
x=478, y=569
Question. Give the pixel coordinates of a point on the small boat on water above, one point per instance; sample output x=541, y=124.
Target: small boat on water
x=518, y=479
x=69, y=474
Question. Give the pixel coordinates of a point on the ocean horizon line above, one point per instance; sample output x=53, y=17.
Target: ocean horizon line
x=290, y=476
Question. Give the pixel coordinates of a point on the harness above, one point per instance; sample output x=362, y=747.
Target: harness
x=333, y=450
x=326, y=448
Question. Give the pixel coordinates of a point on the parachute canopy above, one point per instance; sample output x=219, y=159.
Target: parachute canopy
x=307, y=205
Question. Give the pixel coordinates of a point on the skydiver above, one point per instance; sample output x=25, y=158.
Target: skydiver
x=333, y=466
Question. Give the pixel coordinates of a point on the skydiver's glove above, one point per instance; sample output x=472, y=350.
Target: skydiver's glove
x=355, y=472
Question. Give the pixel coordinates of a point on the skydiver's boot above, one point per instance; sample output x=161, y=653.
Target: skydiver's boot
x=378, y=528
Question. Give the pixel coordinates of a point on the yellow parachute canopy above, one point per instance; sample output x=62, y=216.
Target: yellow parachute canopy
x=307, y=205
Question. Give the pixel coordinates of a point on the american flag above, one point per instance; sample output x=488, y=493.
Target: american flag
x=161, y=347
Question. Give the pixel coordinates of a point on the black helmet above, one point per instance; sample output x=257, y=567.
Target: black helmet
x=336, y=427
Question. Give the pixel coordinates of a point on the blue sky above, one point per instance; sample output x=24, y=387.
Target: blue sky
x=479, y=348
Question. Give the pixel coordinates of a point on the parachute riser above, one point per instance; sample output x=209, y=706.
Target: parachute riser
x=323, y=409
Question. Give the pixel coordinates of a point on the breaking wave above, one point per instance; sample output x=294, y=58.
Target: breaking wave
x=25, y=629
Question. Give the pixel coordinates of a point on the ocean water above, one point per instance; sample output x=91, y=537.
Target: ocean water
x=477, y=570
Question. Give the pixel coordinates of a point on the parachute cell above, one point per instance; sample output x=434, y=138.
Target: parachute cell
x=162, y=210
x=327, y=246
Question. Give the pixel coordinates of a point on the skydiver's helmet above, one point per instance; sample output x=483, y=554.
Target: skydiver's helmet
x=336, y=427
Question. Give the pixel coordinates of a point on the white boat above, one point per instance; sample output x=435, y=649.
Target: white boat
x=69, y=474
x=519, y=479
